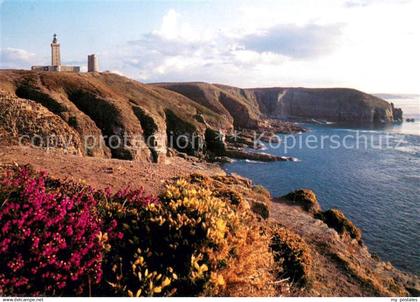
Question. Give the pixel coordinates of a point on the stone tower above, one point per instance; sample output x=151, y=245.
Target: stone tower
x=55, y=52
x=93, y=63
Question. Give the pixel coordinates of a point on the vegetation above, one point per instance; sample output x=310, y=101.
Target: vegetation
x=60, y=238
x=304, y=198
x=336, y=219
x=200, y=236
x=292, y=255
x=49, y=240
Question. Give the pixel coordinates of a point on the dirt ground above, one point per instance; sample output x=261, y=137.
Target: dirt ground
x=102, y=173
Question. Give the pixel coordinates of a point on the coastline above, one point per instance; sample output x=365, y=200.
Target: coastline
x=80, y=112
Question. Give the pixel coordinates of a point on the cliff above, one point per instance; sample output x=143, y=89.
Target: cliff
x=331, y=104
x=107, y=105
x=335, y=104
x=146, y=122
x=151, y=120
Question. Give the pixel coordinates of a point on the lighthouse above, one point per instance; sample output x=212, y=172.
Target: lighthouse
x=55, y=52
x=56, y=60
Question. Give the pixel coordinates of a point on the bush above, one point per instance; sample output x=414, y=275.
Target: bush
x=260, y=209
x=262, y=190
x=172, y=246
x=304, y=198
x=61, y=238
x=187, y=243
x=292, y=255
x=50, y=241
x=336, y=219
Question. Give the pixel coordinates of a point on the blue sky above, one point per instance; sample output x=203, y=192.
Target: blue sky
x=372, y=45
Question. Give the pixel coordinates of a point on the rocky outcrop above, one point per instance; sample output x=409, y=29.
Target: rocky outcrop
x=329, y=256
x=335, y=104
x=120, y=118
x=397, y=113
x=238, y=109
x=264, y=157
x=25, y=122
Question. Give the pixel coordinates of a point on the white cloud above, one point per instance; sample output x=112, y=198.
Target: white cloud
x=311, y=40
x=361, y=3
x=178, y=52
x=16, y=58
x=371, y=47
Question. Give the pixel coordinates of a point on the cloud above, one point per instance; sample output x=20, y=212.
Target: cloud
x=363, y=3
x=295, y=41
x=16, y=58
x=177, y=51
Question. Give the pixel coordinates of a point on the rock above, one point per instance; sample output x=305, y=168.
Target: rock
x=397, y=113
x=336, y=219
x=215, y=142
x=224, y=159
x=264, y=157
x=304, y=198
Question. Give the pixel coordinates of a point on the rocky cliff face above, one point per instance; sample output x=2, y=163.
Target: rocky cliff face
x=109, y=110
x=112, y=116
x=334, y=104
x=240, y=109
x=338, y=105
x=103, y=110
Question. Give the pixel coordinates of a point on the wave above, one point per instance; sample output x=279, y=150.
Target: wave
x=409, y=149
x=361, y=131
x=250, y=161
x=262, y=147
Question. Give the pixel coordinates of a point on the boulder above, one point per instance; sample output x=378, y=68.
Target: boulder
x=215, y=142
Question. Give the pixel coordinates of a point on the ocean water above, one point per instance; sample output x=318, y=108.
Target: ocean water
x=373, y=176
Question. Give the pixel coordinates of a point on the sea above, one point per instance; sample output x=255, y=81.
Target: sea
x=371, y=173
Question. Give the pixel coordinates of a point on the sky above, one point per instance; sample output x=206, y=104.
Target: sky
x=371, y=45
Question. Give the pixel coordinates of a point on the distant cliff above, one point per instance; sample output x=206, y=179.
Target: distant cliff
x=332, y=104
x=335, y=104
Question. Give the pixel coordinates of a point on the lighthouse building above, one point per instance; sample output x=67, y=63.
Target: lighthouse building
x=56, y=60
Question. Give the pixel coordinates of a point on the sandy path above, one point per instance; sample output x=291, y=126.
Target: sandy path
x=101, y=173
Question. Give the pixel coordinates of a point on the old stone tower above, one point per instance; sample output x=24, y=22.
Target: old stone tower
x=93, y=63
x=55, y=52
